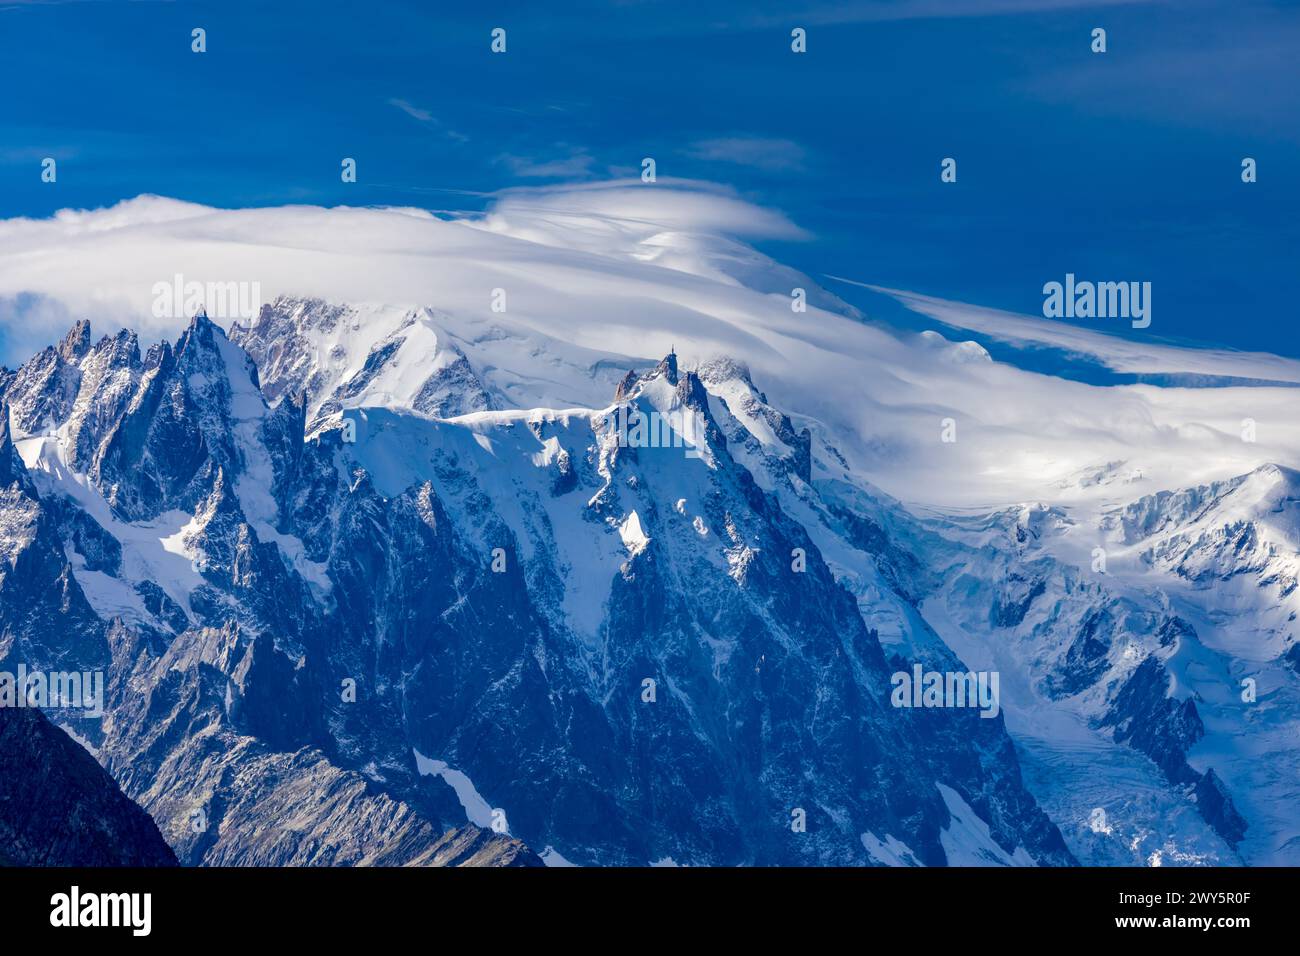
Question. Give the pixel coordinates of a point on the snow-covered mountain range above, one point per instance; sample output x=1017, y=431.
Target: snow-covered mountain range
x=378, y=577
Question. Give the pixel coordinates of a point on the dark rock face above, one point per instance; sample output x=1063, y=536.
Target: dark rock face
x=174, y=436
x=1146, y=717
x=1160, y=727
x=255, y=796
x=1014, y=603
x=1217, y=808
x=1086, y=660
x=58, y=807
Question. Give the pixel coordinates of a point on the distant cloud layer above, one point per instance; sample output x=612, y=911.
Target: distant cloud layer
x=620, y=272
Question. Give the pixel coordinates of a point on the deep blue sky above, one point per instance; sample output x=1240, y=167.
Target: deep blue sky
x=1117, y=166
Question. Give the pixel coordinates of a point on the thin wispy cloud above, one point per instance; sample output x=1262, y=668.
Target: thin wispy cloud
x=576, y=165
x=427, y=118
x=1257, y=78
x=424, y=116
x=757, y=152
x=35, y=154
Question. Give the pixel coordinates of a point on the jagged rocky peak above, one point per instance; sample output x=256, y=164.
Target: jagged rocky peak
x=1258, y=493
x=691, y=391
x=125, y=345
x=668, y=368
x=201, y=332
x=768, y=437
x=76, y=385
x=627, y=384
x=353, y=356
x=722, y=369
x=665, y=369
x=157, y=354
x=165, y=426
x=76, y=343
x=43, y=389
x=121, y=350
x=732, y=383
x=300, y=311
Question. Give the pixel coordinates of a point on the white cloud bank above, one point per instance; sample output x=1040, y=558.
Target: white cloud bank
x=624, y=271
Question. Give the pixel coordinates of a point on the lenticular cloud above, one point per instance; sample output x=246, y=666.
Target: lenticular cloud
x=618, y=274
